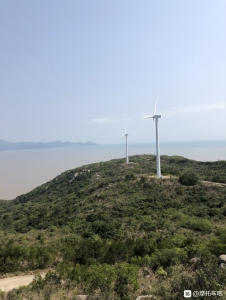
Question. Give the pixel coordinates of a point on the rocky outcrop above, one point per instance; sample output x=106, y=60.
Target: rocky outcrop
x=195, y=260
x=222, y=261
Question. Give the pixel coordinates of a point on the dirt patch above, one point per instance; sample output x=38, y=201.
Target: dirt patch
x=214, y=183
x=7, y=284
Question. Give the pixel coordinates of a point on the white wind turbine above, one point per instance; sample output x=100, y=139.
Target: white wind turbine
x=126, y=135
x=155, y=119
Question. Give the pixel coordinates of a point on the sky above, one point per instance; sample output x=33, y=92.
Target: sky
x=84, y=70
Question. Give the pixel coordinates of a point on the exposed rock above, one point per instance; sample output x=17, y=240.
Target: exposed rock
x=222, y=261
x=195, y=260
x=147, y=272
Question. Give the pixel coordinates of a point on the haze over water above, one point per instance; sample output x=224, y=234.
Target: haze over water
x=23, y=170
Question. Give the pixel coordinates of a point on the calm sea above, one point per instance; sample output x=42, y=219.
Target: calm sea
x=23, y=170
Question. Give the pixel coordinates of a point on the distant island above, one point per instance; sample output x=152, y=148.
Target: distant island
x=4, y=145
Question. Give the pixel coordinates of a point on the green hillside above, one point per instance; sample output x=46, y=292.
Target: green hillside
x=118, y=219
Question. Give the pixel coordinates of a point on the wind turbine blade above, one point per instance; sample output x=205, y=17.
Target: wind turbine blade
x=148, y=117
x=122, y=135
x=155, y=106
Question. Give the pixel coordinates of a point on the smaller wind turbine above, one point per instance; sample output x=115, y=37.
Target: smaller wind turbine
x=155, y=119
x=126, y=135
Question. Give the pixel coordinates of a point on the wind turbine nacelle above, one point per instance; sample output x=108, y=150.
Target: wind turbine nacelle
x=157, y=116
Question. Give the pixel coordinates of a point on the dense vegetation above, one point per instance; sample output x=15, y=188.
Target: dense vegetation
x=114, y=231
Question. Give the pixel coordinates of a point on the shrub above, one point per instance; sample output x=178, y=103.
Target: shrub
x=129, y=177
x=188, y=178
x=143, y=179
x=219, y=178
x=202, y=225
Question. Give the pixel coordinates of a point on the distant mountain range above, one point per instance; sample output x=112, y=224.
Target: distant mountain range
x=4, y=145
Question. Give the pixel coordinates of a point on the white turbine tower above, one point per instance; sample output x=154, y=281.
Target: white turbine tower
x=155, y=119
x=126, y=135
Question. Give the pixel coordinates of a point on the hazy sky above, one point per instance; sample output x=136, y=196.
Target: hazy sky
x=82, y=70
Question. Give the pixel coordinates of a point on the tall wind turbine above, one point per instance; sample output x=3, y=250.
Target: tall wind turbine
x=126, y=135
x=155, y=119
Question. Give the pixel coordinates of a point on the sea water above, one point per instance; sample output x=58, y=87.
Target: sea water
x=23, y=170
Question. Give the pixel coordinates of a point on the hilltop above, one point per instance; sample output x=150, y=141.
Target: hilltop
x=113, y=189
x=114, y=218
